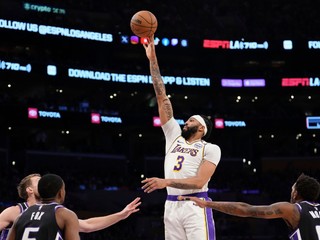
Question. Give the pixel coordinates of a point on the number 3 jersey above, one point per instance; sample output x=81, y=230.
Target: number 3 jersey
x=39, y=222
x=183, y=159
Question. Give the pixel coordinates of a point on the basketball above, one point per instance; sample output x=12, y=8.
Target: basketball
x=144, y=23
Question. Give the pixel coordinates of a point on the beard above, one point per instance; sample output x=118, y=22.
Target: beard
x=186, y=134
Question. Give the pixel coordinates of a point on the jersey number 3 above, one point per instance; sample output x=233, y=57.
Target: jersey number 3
x=178, y=166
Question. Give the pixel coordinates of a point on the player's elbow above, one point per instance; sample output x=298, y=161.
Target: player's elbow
x=85, y=230
x=85, y=227
x=200, y=184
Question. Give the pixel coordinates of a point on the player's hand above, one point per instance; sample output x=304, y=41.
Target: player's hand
x=131, y=208
x=198, y=202
x=151, y=184
x=150, y=48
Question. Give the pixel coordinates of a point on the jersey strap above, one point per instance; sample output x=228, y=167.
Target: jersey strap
x=23, y=206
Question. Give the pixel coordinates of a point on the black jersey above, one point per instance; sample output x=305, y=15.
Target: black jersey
x=39, y=222
x=309, y=225
x=4, y=233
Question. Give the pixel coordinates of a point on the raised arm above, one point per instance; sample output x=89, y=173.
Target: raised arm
x=164, y=103
x=98, y=223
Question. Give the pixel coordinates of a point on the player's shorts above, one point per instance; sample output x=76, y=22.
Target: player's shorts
x=185, y=221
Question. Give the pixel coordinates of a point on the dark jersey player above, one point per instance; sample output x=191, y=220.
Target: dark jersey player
x=301, y=214
x=22, y=207
x=48, y=219
x=28, y=190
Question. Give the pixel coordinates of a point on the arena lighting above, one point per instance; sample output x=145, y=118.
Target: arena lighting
x=124, y=39
x=51, y=70
x=43, y=8
x=184, y=43
x=157, y=123
x=243, y=83
x=313, y=122
x=111, y=119
x=14, y=66
x=254, y=82
x=134, y=40
x=56, y=31
x=136, y=78
x=96, y=118
x=287, y=45
x=221, y=123
x=174, y=41
x=234, y=44
x=144, y=40
x=34, y=113
x=231, y=82
x=235, y=123
x=313, y=44
x=304, y=82
x=156, y=41
x=218, y=123
x=167, y=42
x=180, y=121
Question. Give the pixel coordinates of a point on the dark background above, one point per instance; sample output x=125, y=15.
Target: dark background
x=103, y=164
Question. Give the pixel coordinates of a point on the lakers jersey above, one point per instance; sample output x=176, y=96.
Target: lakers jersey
x=183, y=159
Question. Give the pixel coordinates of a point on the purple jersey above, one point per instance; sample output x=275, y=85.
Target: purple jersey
x=309, y=224
x=4, y=233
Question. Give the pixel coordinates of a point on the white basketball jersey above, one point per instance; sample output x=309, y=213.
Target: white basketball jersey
x=183, y=159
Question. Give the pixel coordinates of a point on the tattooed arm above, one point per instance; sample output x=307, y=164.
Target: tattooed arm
x=285, y=210
x=164, y=103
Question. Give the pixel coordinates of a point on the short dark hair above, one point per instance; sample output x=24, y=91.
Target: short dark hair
x=209, y=125
x=49, y=185
x=308, y=188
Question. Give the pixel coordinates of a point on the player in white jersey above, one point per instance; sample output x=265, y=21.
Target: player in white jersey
x=190, y=163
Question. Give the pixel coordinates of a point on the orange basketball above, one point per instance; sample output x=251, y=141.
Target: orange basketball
x=143, y=23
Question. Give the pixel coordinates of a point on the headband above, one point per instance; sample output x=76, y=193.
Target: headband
x=202, y=122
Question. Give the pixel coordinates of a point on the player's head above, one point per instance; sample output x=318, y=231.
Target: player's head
x=51, y=187
x=28, y=186
x=195, y=124
x=306, y=188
